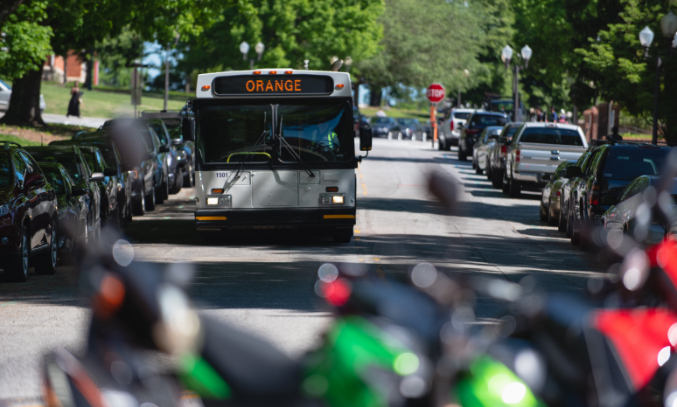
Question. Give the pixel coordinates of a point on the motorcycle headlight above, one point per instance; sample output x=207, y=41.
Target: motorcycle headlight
x=4, y=210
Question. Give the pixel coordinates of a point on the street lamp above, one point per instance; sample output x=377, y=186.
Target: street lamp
x=244, y=49
x=259, y=49
x=646, y=36
x=506, y=56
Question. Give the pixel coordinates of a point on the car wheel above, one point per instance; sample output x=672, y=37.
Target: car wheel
x=17, y=269
x=139, y=206
x=189, y=178
x=441, y=145
x=552, y=219
x=478, y=169
x=496, y=179
x=515, y=189
x=506, y=185
x=178, y=182
x=46, y=263
x=487, y=169
x=150, y=200
x=575, y=230
x=159, y=194
x=462, y=155
x=562, y=222
x=570, y=223
x=543, y=216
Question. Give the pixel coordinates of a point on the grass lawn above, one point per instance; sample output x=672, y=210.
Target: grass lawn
x=97, y=103
x=421, y=115
x=22, y=141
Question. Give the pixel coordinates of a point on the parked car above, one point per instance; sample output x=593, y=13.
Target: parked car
x=138, y=144
x=450, y=130
x=411, y=129
x=113, y=160
x=551, y=196
x=6, y=95
x=486, y=141
x=625, y=215
x=612, y=168
x=78, y=169
x=538, y=149
x=565, y=202
x=28, y=215
x=386, y=127
x=72, y=207
x=110, y=213
x=173, y=122
x=498, y=152
x=470, y=132
x=173, y=155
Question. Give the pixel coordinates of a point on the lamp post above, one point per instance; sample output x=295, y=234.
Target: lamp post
x=506, y=56
x=466, y=74
x=646, y=36
x=176, y=41
x=258, y=48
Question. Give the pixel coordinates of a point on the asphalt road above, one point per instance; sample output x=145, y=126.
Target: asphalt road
x=264, y=284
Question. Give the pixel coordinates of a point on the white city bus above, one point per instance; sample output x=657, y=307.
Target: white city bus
x=275, y=150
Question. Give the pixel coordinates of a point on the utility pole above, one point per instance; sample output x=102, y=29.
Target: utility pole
x=166, y=78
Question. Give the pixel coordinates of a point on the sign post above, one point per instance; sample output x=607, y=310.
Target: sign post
x=435, y=93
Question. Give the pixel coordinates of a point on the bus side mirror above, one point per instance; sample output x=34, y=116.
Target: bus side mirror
x=365, y=139
x=187, y=129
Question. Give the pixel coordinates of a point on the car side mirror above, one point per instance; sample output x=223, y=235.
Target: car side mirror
x=78, y=191
x=96, y=177
x=366, y=136
x=164, y=148
x=110, y=172
x=609, y=200
x=573, y=172
x=177, y=141
x=187, y=129
x=35, y=180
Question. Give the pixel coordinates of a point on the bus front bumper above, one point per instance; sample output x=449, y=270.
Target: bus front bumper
x=296, y=218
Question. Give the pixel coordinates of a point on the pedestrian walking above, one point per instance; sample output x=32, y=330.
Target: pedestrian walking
x=76, y=100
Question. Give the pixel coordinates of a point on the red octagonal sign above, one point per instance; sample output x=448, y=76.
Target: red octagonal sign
x=435, y=93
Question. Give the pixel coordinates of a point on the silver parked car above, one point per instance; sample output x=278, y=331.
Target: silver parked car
x=6, y=93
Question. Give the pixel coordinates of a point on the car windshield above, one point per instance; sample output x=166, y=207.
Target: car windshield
x=461, y=116
x=6, y=171
x=510, y=132
x=630, y=163
x=159, y=130
x=482, y=121
x=551, y=135
x=5, y=84
x=408, y=122
x=69, y=161
x=53, y=176
x=90, y=157
x=174, y=128
x=381, y=120
x=108, y=154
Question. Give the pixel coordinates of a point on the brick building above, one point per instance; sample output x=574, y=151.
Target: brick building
x=71, y=69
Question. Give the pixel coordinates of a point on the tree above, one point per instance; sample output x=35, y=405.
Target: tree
x=116, y=53
x=624, y=74
x=291, y=30
x=8, y=7
x=424, y=41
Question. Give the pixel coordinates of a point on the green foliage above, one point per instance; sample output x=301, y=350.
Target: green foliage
x=292, y=31
x=116, y=53
x=426, y=41
x=26, y=42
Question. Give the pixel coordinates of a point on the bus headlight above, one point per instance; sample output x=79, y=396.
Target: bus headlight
x=331, y=199
x=222, y=200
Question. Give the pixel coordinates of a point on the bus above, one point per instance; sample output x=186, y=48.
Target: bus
x=275, y=149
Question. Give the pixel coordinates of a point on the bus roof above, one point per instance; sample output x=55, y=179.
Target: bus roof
x=277, y=82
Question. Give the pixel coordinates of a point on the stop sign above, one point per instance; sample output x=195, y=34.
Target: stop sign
x=435, y=93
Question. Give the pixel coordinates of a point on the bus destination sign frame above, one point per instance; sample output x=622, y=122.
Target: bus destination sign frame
x=273, y=85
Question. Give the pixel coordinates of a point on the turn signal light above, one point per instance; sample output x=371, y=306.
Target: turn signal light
x=206, y=87
x=340, y=86
x=288, y=72
x=332, y=189
x=217, y=191
x=272, y=72
x=257, y=72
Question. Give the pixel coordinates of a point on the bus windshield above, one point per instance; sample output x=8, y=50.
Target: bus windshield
x=317, y=131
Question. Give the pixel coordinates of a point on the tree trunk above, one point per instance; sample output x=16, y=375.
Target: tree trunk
x=24, y=104
x=375, y=95
x=89, y=63
x=8, y=7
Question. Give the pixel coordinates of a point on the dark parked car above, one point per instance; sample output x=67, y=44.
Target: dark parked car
x=498, y=152
x=110, y=213
x=612, y=168
x=78, y=169
x=410, y=129
x=552, y=193
x=486, y=141
x=471, y=131
x=138, y=144
x=583, y=162
x=72, y=207
x=173, y=121
x=385, y=127
x=28, y=215
x=173, y=155
x=113, y=160
x=624, y=217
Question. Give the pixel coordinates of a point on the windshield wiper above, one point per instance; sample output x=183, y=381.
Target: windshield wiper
x=291, y=151
x=259, y=142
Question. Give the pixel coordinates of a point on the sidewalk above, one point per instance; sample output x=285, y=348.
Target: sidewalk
x=94, y=122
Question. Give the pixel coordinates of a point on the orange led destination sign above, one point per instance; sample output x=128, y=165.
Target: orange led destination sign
x=273, y=85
